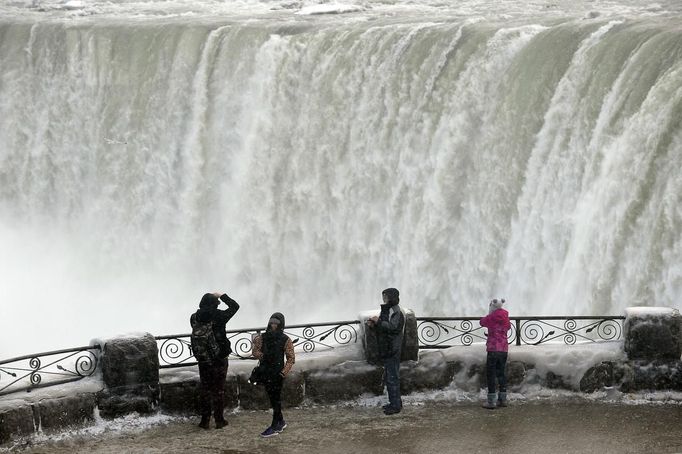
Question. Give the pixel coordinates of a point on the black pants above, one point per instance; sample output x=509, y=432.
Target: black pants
x=273, y=386
x=495, y=369
x=392, y=380
x=212, y=388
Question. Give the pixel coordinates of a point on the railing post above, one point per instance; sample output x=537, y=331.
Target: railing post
x=518, y=331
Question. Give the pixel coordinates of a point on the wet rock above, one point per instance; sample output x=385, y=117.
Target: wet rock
x=254, y=397
x=115, y=405
x=653, y=333
x=130, y=362
x=475, y=378
x=652, y=376
x=555, y=381
x=16, y=422
x=515, y=373
x=597, y=377
x=344, y=381
x=410, y=347
x=183, y=397
x=71, y=411
x=430, y=372
x=130, y=370
x=179, y=397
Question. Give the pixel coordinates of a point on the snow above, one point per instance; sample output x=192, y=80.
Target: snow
x=568, y=361
x=641, y=312
x=91, y=384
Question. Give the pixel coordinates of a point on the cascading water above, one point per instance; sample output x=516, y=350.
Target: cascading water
x=150, y=152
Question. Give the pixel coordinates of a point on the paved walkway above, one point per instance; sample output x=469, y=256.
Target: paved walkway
x=525, y=428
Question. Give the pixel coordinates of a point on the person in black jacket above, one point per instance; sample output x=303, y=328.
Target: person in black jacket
x=271, y=348
x=389, y=327
x=213, y=368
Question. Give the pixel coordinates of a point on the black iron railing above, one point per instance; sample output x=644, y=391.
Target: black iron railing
x=39, y=370
x=25, y=373
x=176, y=350
x=444, y=332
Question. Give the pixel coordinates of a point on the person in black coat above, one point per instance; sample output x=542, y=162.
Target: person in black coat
x=271, y=348
x=213, y=368
x=389, y=326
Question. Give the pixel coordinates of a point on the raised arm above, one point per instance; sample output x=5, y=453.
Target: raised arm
x=232, y=307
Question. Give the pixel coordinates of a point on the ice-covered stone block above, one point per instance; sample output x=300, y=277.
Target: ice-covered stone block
x=16, y=421
x=254, y=397
x=410, y=347
x=653, y=333
x=183, y=397
x=430, y=372
x=345, y=381
x=130, y=370
x=70, y=411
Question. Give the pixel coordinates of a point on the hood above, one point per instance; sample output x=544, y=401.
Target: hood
x=279, y=316
x=206, y=314
x=209, y=300
x=392, y=295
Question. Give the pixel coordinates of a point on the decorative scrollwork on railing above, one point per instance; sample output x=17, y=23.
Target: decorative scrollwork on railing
x=47, y=369
x=446, y=332
x=451, y=331
x=176, y=350
x=573, y=329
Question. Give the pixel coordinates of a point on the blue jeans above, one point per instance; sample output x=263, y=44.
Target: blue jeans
x=392, y=380
x=495, y=369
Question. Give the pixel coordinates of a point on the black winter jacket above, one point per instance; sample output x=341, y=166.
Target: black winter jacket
x=219, y=318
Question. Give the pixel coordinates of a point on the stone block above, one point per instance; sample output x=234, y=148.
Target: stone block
x=653, y=333
x=410, y=346
x=130, y=363
x=115, y=405
x=597, y=377
x=554, y=381
x=430, y=372
x=652, y=376
x=254, y=397
x=183, y=397
x=515, y=373
x=16, y=422
x=130, y=370
x=345, y=381
x=71, y=411
x=179, y=397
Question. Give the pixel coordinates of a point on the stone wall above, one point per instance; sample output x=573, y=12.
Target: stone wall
x=130, y=373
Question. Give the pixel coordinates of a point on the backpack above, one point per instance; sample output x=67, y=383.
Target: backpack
x=205, y=348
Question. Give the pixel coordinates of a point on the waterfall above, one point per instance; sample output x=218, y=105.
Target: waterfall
x=304, y=165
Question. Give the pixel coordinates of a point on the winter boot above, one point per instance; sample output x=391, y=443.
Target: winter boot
x=205, y=420
x=220, y=423
x=502, y=399
x=490, y=403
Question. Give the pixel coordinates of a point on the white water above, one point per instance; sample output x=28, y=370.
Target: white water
x=302, y=162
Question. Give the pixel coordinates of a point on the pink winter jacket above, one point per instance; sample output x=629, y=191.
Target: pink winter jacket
x=498, y=325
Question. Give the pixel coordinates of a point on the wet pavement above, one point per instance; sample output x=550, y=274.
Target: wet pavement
x=533, y=427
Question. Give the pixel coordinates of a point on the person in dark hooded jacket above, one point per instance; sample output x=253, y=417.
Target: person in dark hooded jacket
x=389, y=326
x=271, y=348
x=212, y=370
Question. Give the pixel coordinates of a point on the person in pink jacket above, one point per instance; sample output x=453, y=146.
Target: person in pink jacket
x=497, y=322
